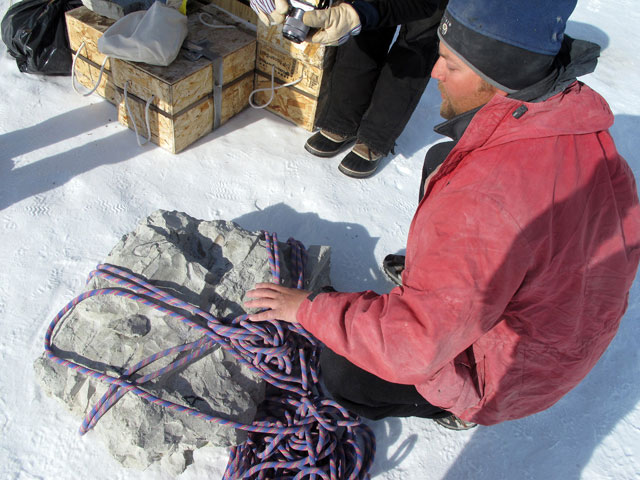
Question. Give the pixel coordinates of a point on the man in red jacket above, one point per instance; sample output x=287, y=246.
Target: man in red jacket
x=523, y=247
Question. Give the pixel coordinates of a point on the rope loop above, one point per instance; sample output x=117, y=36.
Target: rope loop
x=133, y=120
x=271, y=89
x=74, y=76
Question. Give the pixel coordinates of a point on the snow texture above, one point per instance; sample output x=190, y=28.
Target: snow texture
x=73, y=181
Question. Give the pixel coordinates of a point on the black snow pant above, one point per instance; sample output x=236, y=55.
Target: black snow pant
x=374, y=89
x=369, y=396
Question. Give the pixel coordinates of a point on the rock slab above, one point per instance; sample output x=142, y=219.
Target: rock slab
x=210, y=264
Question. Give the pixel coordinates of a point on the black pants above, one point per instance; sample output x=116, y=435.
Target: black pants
x=374, y=89
x=370, y=396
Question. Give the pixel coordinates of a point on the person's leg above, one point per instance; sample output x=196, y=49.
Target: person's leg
x=370, y=396
x=401, y=83
x=353, y=79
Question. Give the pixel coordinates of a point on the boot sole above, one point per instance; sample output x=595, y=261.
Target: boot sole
x=324, y=153
x=355, y=174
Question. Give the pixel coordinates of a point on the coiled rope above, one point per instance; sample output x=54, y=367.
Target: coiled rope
x=298, y=432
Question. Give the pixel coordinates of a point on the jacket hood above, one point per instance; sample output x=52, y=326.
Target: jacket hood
x=575, y=58
x=576, y=110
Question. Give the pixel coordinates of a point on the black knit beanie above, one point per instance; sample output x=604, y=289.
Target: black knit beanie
x=509, y=43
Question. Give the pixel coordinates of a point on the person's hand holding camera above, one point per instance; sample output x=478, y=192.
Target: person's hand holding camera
x=334, y=25
x=275, y=16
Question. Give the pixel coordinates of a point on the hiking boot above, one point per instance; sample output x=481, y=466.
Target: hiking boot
x=326, y=144
x=360, y=162
x=393, y=266
x=454, y=423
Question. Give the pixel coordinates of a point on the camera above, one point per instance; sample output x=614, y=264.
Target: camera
x=294, y=28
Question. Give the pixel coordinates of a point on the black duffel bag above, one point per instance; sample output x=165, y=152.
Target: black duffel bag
x=35, y=34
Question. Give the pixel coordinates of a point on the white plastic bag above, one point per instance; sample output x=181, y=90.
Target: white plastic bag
x=151, y=36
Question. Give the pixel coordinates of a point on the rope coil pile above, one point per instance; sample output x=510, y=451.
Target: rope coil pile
x=297, y=433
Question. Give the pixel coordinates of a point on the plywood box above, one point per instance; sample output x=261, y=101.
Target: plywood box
x=176, y=131
x=288, y=69
x=289, y=103
x=184, y=81
x=215, y=89
x=312, y=54
x=299, y=103
x=308, y=65
x=239, y=8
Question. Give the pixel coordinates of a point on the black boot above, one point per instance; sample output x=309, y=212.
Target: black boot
x=392, y=266
x=454, y=423
x=326, y=144
x=360, y=162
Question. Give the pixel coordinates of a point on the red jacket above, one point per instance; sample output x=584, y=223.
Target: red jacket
x=519, y=262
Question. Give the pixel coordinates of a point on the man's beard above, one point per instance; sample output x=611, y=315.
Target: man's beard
x=482, y=95
x=446, y=108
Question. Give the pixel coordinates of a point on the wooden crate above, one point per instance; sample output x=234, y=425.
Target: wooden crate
x=309, y=63
x=215, y=90
x=239, y=8
x=176, y=131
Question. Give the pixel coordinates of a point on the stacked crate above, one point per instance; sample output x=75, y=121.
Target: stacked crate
x=289, y=62
x=189, y=98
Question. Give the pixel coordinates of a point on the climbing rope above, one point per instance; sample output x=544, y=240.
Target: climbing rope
x=297, y=433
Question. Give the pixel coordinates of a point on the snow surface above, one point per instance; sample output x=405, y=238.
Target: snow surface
x=73, y=181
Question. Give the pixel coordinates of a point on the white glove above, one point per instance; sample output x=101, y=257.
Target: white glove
x=335, y=25
x=270, y=12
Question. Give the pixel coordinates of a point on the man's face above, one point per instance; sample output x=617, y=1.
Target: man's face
x=461, y=88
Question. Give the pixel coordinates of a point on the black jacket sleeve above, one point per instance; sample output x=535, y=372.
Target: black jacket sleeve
x=387, y=13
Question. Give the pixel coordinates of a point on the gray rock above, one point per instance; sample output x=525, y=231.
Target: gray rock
x=210, y=264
